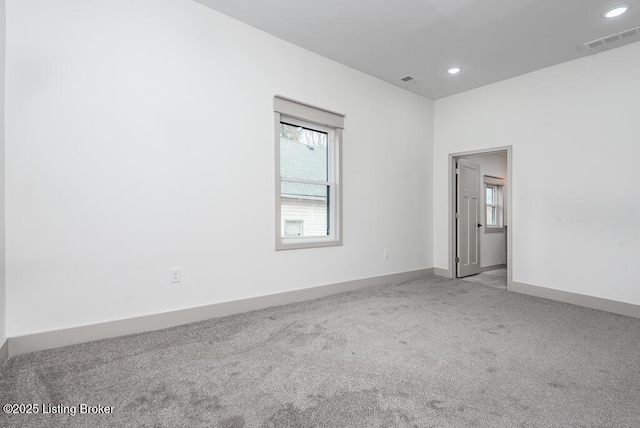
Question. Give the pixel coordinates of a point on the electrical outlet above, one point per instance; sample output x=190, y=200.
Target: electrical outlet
x=175, y=274
x=385, y=253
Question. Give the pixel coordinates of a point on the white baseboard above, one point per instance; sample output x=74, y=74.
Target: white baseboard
x=71, y=336
x=442, y=272
x=614, y=306
x=4, y=351
x=493, y=267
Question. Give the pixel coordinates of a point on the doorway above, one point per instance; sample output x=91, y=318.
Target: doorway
x=480, y=195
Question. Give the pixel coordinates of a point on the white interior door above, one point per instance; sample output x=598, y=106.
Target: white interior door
x=468, y=191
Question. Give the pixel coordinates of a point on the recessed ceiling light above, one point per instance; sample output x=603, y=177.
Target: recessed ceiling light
x=616, y=11
x=453, y=70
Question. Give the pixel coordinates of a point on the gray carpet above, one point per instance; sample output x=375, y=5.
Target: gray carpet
x=430, y=352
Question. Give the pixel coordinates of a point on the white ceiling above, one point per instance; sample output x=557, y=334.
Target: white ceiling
x=490, y=40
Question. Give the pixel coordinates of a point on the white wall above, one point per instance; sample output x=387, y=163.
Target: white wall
x=576, y=143
x=131, y=125
x=493, y=250
x=3, y=306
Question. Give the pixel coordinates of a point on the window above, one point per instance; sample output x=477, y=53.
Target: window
x=308, y=189
x=492, y=205
x=293, y=227
x=494, y=211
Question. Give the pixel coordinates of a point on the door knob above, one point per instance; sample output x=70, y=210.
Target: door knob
x=479, y=225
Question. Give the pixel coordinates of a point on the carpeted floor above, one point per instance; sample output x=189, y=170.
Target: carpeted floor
x=427, y=353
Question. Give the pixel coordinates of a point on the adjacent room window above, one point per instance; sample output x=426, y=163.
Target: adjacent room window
x=308, y=190
x=494, y=204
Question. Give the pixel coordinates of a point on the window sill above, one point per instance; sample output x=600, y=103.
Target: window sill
x=297, y=245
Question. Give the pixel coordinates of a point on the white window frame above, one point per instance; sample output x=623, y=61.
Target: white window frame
x=301, y=114
x=497, y=184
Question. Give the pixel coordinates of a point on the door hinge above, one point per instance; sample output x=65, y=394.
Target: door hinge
x=457, y=259
x=457, y=215
x=457, y=171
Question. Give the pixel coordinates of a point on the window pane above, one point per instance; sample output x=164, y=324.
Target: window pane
x=307, y=203
x=491, y=216
x=490, y=196
x=303, y=153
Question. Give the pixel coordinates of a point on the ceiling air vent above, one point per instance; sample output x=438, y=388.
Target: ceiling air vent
x=622, y=35
x=407, y=79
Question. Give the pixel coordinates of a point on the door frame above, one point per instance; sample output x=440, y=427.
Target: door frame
x=452, y=208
